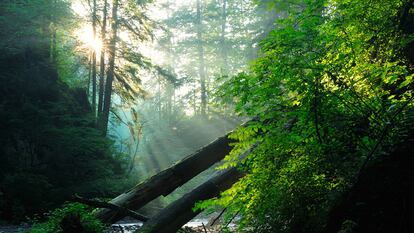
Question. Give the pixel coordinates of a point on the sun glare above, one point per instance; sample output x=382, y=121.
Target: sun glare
x=85, y=36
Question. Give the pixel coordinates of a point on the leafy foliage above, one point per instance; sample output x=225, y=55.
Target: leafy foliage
x=53, y=224
x=330, y=89
x=25, y=23
x=50, y=147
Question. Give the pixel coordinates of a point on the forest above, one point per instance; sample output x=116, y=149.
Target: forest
x=206, y=116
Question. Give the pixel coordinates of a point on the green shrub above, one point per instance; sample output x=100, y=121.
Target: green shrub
x=89, y=223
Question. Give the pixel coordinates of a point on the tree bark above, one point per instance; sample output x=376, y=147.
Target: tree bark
x=175, y=215
x=52, y=31
x=52, y=43
x=102, y=62
x=201, y=65
x=89, y=74
x=170, y=87
x=94, y=59
x=111, y=69
x=168, y=180
x=223, y=38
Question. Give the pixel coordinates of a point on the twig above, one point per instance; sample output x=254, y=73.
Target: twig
x=380, y=140
x=101, y=204
x=315, y=110
x=232, y=218
x=214, y=221
x=204, y=227
x=120, y=227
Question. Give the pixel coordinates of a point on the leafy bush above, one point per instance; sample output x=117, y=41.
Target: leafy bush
x=53, y=224
x=50, y=147
x=339, y=71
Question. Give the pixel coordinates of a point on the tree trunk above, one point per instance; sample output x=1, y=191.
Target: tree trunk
x=201, y=65
x=169, y=92
x=223, y=38
x=102, y=62
x=111, y=69
x=168, y=180
x=170, y=87
x=94, y=60
x=52, y=31
x=53, y=43
x=88, y=91
x=178, y=213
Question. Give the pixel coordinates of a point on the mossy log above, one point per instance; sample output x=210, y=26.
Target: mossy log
x=168, y=180
x=179, y=212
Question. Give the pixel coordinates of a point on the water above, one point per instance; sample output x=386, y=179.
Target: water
x=196, y=225
x=125, y=227
x=133, y=226
x=13, y=229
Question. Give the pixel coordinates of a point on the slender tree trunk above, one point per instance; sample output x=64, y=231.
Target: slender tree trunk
x=223, y=38
x=169, y=92
x=53, y=43
x=159, y=104
x=251, y=52
x=94, y=60
x=89, y=75
x=170, y=89
x=316, y=103
x=52, y=31
x=202, y=69
x=102, y=63
x=111, y=68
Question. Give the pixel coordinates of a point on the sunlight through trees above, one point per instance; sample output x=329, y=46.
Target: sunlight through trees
x=122, y=105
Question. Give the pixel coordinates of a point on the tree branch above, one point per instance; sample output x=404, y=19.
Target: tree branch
x=107, y=205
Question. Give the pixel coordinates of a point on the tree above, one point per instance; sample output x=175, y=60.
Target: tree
x=337, y=68
x=50, y=148
x=223, y=33
x=102, y=62
x=111, y=68
x=93, y=64
x=201, y=67
x=123, y=80
x=223, y=37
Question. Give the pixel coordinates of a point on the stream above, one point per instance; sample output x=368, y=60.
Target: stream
x=195, y=226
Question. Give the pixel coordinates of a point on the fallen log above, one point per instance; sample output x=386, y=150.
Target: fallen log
x=168, y=180
x=179, y=212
